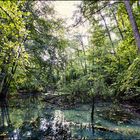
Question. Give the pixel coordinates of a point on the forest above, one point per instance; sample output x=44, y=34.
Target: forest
x=59, y=84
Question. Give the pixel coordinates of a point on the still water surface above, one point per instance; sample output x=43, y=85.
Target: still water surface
x=31, y=118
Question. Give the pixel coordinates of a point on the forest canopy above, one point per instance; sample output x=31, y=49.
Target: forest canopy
x=38, y=55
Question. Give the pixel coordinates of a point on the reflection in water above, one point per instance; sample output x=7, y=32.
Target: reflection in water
x=4, y=113
x=5, y=121
x=28, y=118
x=92, y=114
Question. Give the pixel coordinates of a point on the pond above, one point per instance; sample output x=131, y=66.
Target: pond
x=32, y=118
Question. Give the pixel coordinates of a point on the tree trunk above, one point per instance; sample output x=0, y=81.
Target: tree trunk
x=133, y=23
x=82, y=45
x=107, y=29
x=92, y=113
x=115, y=18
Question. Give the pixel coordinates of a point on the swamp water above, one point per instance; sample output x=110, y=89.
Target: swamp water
x=31, y=118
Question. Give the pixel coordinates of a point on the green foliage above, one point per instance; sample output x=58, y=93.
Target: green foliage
x=113, y=68
x=13, y=34
x=45, y=45
x=36, y=54
x=78, y=88
x=131, y=79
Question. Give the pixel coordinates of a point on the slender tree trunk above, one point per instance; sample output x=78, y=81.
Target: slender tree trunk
x=92, y=113
x=107, y=29
x=79, y=61
x=115, y=18
x=121, y=18
x=82, y=45
x=93, y=106
x=138, y=3
x=8, y=76
x=133, y=23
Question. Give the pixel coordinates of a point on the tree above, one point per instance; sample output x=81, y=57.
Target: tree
x=45, y=46
x=133, y=23
x=111, y=69
x=13, y=35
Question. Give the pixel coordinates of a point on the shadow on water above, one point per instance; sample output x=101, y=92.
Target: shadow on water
x=27, y=117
